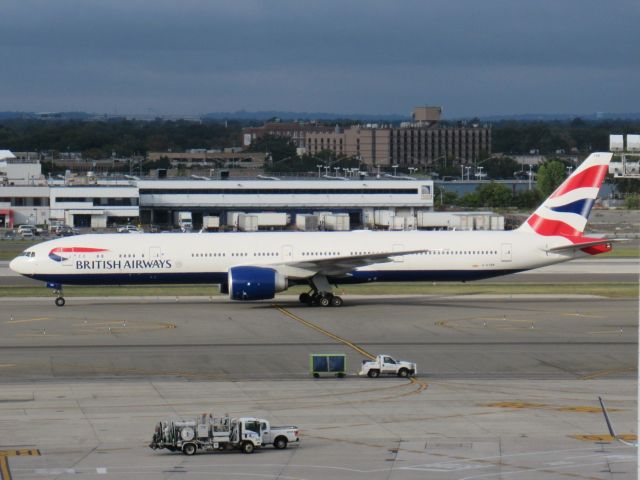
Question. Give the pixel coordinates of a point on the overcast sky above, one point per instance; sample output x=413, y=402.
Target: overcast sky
x=472, y=57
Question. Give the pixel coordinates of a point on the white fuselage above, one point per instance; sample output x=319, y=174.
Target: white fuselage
x=206, y=258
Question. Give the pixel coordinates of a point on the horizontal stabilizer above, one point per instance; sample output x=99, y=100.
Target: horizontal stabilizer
x=592, y=246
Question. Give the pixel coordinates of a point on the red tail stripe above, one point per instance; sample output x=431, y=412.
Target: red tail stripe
x=591, y=177
x=549, y=228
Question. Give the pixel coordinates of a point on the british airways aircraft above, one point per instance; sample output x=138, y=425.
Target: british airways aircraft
x=255, y=266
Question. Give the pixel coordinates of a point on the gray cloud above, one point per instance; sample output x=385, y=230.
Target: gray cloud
x=471, y=57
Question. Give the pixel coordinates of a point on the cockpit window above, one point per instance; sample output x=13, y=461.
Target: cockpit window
x=27, y=254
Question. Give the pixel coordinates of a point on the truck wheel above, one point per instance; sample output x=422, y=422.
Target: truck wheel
x=403, y=372
x=373, y=373
x=189, y=449
x=280, y=443
x=247, y=447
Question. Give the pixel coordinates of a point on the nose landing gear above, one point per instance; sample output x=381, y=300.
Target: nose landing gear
x=57, y=291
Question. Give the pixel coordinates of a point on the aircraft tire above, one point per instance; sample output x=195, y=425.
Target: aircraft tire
x=336, y=301
x=324, y=301
x=305, y=298
x=60, y=302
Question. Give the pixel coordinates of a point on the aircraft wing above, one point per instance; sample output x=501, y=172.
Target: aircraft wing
x=339, y=266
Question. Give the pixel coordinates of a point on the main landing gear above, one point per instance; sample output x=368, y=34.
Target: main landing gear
x=320, y=295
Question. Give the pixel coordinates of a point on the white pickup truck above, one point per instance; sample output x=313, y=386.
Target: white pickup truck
x=386, y=365
x=279, y=437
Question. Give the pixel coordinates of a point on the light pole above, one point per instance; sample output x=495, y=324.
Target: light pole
x=337, y=169
x=411, y=170
x=395, y=170
x=530, y=175
x=468, y=169
x=319, y=170
x=569, y=170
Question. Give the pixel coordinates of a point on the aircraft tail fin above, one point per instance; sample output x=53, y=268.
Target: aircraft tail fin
x=567, y=209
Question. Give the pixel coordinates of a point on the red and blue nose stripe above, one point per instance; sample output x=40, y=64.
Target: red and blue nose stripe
x=55, y=253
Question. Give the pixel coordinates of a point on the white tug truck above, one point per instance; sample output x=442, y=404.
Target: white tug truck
x=209, y=433
x=386, y=365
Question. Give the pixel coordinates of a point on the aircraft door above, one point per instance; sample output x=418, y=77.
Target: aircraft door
x=287, y=253
x=506, y=252
x=398, y=248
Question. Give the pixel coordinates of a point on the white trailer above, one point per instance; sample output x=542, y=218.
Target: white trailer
x=396, y=223
x=306, y=222
x=232, y=218
x=210, y=222
x=383, y=218
x=438, y=220
x=338, y=222
x=247, y=223
x=272, y=219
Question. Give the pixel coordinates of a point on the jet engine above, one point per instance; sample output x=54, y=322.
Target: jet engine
x=255, y=283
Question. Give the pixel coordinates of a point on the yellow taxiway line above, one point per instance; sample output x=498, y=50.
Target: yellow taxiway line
x=419, y=383
x=5, y=471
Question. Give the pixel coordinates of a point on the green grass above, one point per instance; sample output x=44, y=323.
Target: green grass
x=610, y=290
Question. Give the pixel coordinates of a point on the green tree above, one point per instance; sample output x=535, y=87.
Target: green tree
x=550, y=176
x=501, y=167
x=280, y=148
x=632, y=202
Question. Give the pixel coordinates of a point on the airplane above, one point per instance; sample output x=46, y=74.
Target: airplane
x=256, y=266
x=612, y=432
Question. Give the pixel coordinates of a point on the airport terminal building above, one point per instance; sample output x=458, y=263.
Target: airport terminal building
x=99, y=202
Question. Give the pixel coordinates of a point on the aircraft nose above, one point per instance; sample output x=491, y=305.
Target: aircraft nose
x=17, y=265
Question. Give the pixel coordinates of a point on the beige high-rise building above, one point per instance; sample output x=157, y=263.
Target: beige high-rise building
x=411, y=146
x=422, y=143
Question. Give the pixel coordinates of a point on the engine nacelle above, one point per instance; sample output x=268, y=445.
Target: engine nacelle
x=255, y=283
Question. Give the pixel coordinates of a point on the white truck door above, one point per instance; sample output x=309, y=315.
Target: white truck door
x=388, y=365
x=265, y=432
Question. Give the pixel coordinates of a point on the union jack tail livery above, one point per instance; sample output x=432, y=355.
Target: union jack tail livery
x=566, y=211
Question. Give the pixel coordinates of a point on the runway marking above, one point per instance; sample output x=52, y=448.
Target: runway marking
x=605, y=332
x=628, y=437
x=28, y=320
x=603, y=373
x=7, y=365
x=544, y=406
x=585, y=315
x=5, y=471
x=419, y=383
